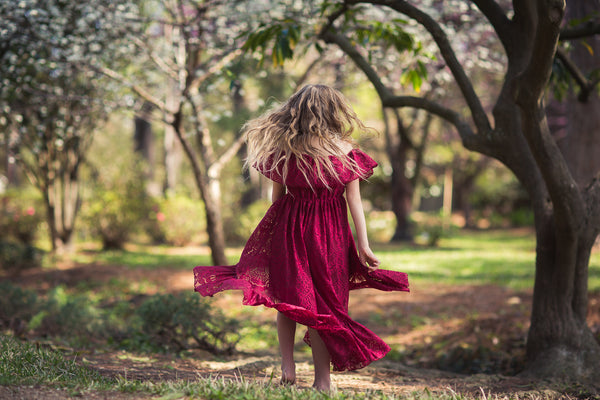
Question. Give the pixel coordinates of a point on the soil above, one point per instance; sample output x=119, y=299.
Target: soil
x=438, y=327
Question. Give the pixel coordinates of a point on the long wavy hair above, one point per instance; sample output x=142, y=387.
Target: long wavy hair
x=312, y=122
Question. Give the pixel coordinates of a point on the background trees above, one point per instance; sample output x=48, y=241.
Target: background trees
x=51, y=104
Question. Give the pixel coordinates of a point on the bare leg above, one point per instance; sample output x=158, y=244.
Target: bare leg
x=321, y=359
x=286, y=331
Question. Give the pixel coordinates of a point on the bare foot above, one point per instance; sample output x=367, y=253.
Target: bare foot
x=322, y=386
x=288, y=377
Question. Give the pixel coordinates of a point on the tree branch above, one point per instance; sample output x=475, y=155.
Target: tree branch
x=163, y=65
x=439, y=36
x=216, y=64
x=343, y=43
x=585, y=84
x=529, y=91
x=497, y=17
x=140, y=91
x=585, y=30
x=217, y=166
x=469, y=138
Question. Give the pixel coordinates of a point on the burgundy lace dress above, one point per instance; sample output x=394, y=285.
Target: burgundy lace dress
x=302, y=261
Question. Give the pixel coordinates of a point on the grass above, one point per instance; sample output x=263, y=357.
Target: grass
x=25, y=364
x=499, y=257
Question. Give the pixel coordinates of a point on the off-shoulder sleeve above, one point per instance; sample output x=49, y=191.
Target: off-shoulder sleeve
x=270, y=171
x=365, y=164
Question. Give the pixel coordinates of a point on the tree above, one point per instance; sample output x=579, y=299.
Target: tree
x=200, y=41
x=567, y=217
x=51, y=106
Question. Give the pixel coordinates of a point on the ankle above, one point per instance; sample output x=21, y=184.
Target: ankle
x=322, y=385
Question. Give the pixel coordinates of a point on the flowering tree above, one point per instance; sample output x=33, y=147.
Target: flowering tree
x=50, y=104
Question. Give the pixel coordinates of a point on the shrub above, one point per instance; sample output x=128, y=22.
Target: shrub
x=183, y=322
x=177, y=220
x=16, y=257
x=66, y=315
x=238, y=227
x=20, y=216
x=17, y=307
x=113, y=214
x=432, y=227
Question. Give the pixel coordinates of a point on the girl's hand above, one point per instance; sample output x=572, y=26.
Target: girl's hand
x=367, y=257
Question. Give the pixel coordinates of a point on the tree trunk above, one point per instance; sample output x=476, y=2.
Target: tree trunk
x=143, y=139
x=559, y=342
x=214, y=221
x=172, y=147
x=210, y=193
x=401, y=186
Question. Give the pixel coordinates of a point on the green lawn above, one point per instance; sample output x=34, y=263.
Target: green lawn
x=501, y=257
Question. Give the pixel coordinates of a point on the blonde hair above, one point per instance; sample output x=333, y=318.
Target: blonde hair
x=315, y=113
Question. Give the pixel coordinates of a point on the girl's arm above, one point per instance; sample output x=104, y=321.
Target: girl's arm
x=356, y=210
x=278, y=191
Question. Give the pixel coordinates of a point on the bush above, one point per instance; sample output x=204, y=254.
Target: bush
x=68, y=316
x=20, y=216
x=17, y=307
x=432, y=227
x=16, y=257
x=114, y=214
x=239, y=227
x=176, y=220
x=183, y=322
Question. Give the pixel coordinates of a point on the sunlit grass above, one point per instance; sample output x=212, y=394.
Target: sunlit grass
x=502, y=257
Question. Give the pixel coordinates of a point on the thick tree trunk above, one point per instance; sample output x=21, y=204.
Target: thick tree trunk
x=559, y=343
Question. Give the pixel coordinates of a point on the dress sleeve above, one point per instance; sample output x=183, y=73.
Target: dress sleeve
x=365, y=164
x=270, y=171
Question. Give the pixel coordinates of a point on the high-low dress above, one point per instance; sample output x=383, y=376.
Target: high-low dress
x=302, y=261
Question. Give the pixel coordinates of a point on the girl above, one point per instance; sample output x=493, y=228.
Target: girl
x=302, y=260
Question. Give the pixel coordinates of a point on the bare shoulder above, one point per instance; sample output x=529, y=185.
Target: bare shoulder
x=345, y=146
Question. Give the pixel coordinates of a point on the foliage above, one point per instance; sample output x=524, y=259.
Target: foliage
x=187, y=321
x=239, y=226
x=20, y=216
x=114, y=213
x=284, y=35
x=430, y=228
x=50, y=100
x=176, y=220
x=17, y=307
x=16, y=257
x=66, y=315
